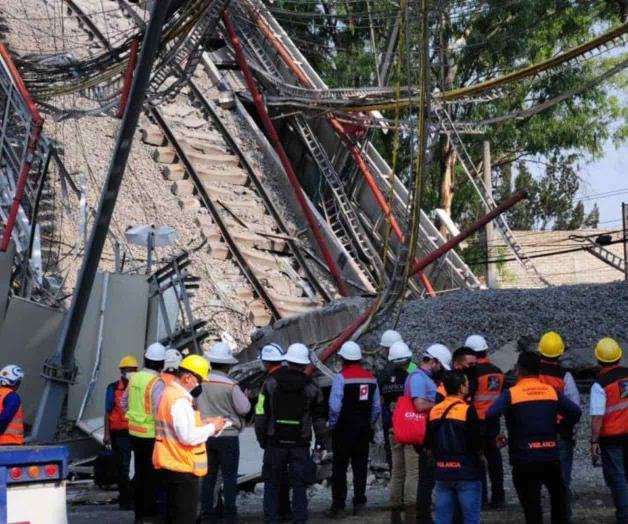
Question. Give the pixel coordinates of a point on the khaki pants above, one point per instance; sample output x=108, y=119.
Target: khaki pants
x=404, y=475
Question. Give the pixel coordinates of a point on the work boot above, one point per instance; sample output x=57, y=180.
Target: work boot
x=359, y=509
x=335, y=513
x=395, y=516
x=410, y=512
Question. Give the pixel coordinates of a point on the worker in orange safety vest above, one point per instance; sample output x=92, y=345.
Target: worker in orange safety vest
x=180, y=438
x=11, y=413
x=117, y=430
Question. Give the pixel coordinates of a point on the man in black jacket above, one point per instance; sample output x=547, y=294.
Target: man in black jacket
x=289, y=406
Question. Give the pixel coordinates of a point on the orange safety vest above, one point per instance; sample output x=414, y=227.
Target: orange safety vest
x=168, y=378
x=117, y=416
x=614, y=380
x=14, y=433
x=169, y=453
x=553, y=374
x=490, y=386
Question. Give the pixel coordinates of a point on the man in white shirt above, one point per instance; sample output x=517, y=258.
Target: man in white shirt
x=180, y=440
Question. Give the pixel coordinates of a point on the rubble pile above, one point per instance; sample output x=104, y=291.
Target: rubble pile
x=582, y=314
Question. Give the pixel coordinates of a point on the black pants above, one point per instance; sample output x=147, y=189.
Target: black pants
x=425, y=486
x=349, y=448
x=528, y=479
x=182, y=492
x=495, y=469
x=145, y=479
x=121, y=447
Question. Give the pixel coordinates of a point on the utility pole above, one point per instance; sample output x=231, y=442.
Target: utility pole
x=60, y=369
x=491, y=267
x=624, y=215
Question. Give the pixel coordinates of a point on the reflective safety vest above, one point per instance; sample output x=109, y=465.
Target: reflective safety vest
x=14, y=434
x=140, y=412
x=117, y=417
x=169, y=453
x=553, y=373
x=168, y=378
x=490, y=385
x=614, y=380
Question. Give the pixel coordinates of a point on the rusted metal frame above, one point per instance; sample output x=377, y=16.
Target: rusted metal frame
x=340, y=130
x=233, y=144
x=208, y=202
x=285, y=161
x=37, y=124
x=128, y=77
x=418, y=266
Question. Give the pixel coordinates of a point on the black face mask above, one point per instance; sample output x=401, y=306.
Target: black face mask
x=471, y=373
x=196, y=392
x=438, y=375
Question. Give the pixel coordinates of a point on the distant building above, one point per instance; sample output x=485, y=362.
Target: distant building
x=577, y=267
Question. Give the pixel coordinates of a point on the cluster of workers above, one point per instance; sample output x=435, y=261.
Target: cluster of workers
x=181, y=417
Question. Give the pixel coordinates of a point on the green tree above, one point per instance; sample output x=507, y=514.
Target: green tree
x=593, y=218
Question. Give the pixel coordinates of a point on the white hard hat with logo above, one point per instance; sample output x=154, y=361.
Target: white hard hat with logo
x=172, y=358
x=272, y=353
x=399, y=351
x=389, y=337
x=298, y=354
x=220, y=353
x=350, y=351
x=476, y=343
x=10, y=375
x=440, y=353
x=155, y=351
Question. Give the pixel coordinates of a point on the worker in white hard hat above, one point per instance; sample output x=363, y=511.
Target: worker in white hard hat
x=490, y=382
x=116, y=432
x=11, y=412
x=222, y=397
x=354, y=407
x=422, y=385
x=173, y=358
x=404, y=462
x=289, y=407
x=141, y=401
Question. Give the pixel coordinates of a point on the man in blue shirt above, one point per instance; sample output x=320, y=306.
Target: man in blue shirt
x=354, y=406
x=421, y=385
x=11, y=412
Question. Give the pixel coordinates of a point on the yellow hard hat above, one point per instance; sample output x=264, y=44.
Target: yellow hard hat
x=129, y=361
x=608, y=350
x=551, y=345
x=195, y=364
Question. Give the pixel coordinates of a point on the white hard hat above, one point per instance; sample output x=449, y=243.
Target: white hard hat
x=220, y=353
x=476, y=343
x=399, y=351
x=10, y=375
x=389, y=337
x=298, y=354
x=272, y=353
x=155, y=351
x=350, y=351
x=440, y=353
x=172, y=357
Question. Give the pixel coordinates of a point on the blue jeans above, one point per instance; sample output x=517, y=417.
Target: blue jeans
x=297, y=462
x=615, y=469
x=466, y=493
x=222, y=453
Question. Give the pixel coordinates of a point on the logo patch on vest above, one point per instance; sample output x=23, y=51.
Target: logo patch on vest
x=623, y=389
x=364, y=391
x=493, y=383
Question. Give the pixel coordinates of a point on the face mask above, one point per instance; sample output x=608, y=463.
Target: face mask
x=196, y=391
x=470, y=372
x=437, y=375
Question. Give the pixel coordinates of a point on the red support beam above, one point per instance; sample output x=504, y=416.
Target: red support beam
x=38, y=123
x=420, y=264
x=341, y=131
x=285, y=161
x=128, y=77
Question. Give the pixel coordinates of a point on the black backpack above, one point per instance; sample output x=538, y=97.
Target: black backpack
x=288, y=408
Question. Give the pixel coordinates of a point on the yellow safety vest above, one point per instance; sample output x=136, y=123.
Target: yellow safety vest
x=140, y=404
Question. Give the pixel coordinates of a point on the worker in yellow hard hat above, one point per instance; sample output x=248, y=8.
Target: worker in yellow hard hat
x=551, y=348
x=117, y=429
x=180, y=437
x=609, y=422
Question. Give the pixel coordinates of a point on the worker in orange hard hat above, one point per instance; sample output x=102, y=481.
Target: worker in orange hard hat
x=117, y=429
x=609, y=422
